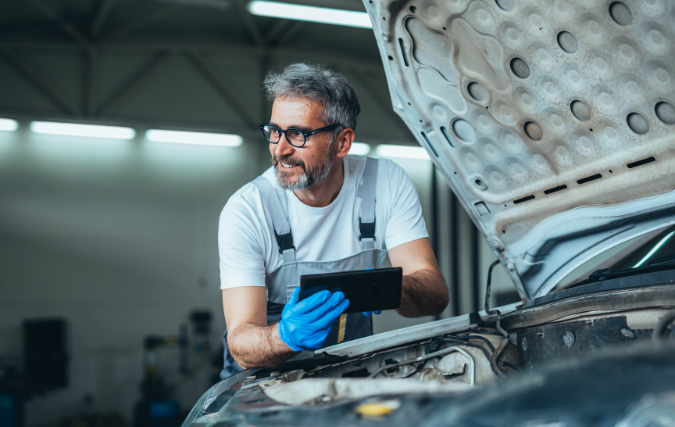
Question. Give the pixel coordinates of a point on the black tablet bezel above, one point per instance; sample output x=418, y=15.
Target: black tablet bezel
x=367, y=290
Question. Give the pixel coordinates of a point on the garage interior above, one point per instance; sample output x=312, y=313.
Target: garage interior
x=113, y=241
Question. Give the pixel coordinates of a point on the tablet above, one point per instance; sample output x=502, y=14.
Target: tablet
x=366, y=290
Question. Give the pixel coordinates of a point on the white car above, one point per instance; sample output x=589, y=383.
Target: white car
x=553, y=122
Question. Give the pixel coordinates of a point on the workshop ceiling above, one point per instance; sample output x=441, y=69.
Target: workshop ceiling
x=179, y=64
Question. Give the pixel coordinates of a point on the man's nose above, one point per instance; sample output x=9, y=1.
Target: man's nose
x=283, y=148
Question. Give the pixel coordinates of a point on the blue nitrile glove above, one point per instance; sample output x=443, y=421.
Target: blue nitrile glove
x=305, y=325
x=368, y=313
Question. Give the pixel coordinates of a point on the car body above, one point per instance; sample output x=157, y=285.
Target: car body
x=553, y=123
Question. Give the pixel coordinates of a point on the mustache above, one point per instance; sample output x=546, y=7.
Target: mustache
x=289, y=161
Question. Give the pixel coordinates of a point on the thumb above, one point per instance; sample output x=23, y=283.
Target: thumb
x=293, y=299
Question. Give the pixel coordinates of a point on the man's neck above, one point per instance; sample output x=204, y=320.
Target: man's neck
x=325, y=191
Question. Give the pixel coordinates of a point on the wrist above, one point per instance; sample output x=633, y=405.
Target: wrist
x=285, y=338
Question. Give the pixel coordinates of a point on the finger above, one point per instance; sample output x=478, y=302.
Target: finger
x=293, y=299
x=337, y=298
x=327, y=320
x=378, y=311
x=312, y=303
x=367, y=313
x=334, y=301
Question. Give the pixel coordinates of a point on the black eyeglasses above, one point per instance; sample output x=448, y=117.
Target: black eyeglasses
x=296, y=137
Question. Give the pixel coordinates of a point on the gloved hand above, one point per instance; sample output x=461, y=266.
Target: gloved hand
x=305, y=325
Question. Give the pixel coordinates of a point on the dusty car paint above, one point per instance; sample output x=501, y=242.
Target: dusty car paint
x=550, y=121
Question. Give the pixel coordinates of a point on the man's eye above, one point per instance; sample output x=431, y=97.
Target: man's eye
x=296, y=134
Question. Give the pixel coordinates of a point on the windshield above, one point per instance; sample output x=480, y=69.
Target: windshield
x=655, y=250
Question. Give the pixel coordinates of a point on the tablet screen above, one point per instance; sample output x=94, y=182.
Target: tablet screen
x=366, y=290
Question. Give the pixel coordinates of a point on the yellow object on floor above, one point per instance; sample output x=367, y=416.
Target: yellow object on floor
x=377, y=410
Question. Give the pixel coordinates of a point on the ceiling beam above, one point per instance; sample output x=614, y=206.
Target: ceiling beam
x=328, y=37
x=223, y=89
x=39, y=82
x=365, y=63
x=135, y=84
x=141, y=22
x=280, y=26
x=91, y=74
x=100, y=17
x=67, y=27
x=290, y=33
x=251, y=27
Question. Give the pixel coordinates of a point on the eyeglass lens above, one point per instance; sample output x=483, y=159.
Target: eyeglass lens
x=273, y=135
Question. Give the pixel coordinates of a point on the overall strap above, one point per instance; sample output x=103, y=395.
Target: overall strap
x=367, y=195
x=274, y=200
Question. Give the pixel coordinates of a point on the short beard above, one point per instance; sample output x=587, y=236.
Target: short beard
x=309, y=177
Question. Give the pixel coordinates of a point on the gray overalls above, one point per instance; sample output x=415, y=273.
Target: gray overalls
x=282, y=281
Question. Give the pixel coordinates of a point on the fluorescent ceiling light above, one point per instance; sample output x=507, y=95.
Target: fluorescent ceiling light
x=8, y=125
x=197, y=138
x=654, y=249
x=360, y=149
x=402, y=151
x=300, y=12
x=91, y=131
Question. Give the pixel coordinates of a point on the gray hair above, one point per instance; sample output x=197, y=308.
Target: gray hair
x=319, y=84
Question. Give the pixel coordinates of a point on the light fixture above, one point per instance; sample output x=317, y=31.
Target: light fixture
x=91, y=131
x=402, y=152
x=654, y=249
x=197, y=138
x=301, y=12
x=360, y=149
x=8, y=125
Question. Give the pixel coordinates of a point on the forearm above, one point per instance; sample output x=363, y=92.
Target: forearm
x=254, y=346
x=424, y=293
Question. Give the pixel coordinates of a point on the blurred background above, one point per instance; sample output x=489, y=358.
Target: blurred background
x=110, y=307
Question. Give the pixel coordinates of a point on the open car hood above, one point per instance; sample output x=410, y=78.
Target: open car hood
x=553, y=122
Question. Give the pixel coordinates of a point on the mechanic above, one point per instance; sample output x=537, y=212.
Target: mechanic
x=316, y=210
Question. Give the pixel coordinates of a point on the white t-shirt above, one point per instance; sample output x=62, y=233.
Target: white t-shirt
x=248, y=248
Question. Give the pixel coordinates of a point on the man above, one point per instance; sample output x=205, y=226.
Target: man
x=316, y=210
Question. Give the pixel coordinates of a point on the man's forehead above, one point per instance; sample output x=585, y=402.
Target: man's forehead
x=296, y=108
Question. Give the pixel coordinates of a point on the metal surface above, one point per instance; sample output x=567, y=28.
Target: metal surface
x=454, y=255
x=407, y=335
x=545, y=114
x=628, y=333
x=569, y=338
x=575, y=339
x=619, y=385
x=613, y=300
x=336, y=389
x=433, y=355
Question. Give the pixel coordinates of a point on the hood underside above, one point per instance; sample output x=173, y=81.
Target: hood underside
x=553, y=122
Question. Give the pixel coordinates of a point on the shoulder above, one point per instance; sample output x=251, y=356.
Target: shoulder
x=249, y=194
x=245, y=205
x=386, y=169
x=246, y=196
x=391, y=175
x=389, y=168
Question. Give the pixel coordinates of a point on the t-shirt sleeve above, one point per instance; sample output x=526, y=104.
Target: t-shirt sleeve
x=406, y=222
x=240, y=244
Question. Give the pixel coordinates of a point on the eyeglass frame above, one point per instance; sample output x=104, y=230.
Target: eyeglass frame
x=305, y=133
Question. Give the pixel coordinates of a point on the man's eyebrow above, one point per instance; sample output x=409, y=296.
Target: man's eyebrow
x=301, y=127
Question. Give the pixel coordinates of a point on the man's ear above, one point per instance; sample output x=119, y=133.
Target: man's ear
x=343, y=142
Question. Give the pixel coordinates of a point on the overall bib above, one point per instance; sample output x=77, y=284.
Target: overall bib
x=282, y=281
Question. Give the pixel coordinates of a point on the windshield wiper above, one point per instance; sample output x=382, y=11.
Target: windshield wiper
x=657, y=264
